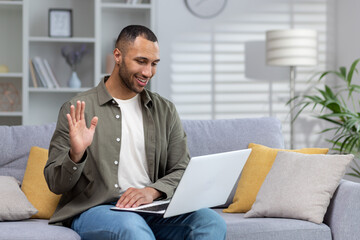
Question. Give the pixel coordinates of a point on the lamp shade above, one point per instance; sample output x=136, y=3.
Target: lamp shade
x=294, y=47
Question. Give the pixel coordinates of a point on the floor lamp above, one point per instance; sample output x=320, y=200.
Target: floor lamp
x=292, y=48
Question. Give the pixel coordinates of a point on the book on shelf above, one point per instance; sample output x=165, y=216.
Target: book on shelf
x=32, y=74
x=43, y=75
x=51, y=74
x=35, y=75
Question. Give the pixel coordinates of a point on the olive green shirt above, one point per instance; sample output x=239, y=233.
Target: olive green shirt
x=94, y=180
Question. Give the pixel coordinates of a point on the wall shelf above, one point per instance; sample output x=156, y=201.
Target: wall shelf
x=126, y=5
x=10, y=114
x=11, y=3
x=71, y=40
x=57, y=90
x=11, y=75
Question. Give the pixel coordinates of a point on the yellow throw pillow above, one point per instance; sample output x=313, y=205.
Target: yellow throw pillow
x=254, y=173
x=35, y=187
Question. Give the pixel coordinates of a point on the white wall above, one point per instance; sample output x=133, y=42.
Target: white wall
x=348, y=34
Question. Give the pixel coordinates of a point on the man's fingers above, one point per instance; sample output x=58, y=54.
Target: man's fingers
x=126, y=198
x=82, y=110
x=136, y=196
x=72, y=113
x=69, y=121
x=121, y=202
x=138, y=202
x=77, y=110
x=94, y=122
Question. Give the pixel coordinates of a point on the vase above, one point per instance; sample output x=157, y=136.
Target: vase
x=74, y=81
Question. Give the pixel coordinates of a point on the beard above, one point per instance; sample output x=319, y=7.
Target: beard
x=126, y=78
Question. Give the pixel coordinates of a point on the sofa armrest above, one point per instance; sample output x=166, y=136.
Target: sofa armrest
x=343, y=214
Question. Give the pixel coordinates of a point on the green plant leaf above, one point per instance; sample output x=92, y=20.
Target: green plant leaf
x=339, y=74
x=351, y=71
x=353, y=174
x=343, y=72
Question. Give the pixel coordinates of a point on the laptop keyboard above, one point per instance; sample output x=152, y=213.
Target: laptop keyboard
x=156, y=208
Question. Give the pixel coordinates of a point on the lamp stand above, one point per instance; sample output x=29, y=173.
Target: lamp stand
x=292, y=105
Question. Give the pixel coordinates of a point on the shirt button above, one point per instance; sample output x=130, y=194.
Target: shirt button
x=117, y=116
x=118, y=139
x=116, y=162
x=74, y=168
x=116, y=186
x=113, y=101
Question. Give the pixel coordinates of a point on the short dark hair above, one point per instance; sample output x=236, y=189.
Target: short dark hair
x=129, y=33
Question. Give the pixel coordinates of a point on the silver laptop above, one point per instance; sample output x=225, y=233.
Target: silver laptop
x=207, y=182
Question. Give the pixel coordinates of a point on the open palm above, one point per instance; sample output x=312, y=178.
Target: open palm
x=80, y=136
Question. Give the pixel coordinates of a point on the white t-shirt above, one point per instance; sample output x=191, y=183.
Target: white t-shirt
x=133, y=169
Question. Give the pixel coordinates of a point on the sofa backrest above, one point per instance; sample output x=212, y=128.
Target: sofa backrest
x=215, y=136
x=15, y=144
x=222, y=135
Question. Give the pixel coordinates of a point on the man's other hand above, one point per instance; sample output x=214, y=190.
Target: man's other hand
x=134, y=197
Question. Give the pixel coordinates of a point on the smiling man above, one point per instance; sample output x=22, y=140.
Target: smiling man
x=134, y=152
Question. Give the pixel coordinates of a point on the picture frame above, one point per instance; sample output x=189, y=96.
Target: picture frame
x=60, y=23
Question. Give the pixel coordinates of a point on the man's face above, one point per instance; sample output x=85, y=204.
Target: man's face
x=138, y=64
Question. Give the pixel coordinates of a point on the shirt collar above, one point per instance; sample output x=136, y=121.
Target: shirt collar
x=104, y=96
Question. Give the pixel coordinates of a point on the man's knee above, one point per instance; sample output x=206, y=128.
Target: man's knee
x=133, y=227
x=209, y=225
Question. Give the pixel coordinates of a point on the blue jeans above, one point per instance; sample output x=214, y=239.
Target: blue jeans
x=102, y=223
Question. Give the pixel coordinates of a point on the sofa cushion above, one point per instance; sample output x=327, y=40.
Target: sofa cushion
x=300, y=186
x=208, y=136
x=15, y=144
x=239, y=227
x=35, y=187
x=13, y=202
x=35, y=229
x=254, y=173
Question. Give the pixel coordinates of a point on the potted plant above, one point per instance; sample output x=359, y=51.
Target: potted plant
x=340, y=107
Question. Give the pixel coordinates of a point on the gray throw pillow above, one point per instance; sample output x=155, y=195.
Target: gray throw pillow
x=13, y=202
x=300, y=186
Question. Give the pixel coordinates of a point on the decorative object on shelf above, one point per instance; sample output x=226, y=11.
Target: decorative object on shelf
x=339, y=106
x=4, y=69
x=291, y=47
x=74, y=81
x=73, y=57
x=9, y=98
x=205, y=8
x=60, y=22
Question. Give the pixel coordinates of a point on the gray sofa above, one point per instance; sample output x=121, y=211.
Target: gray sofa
x=341, y=222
